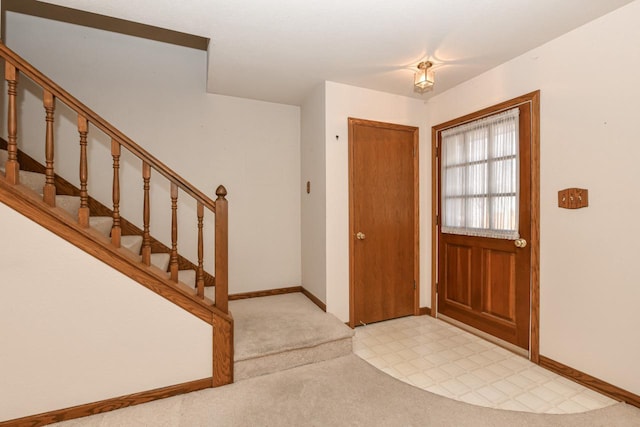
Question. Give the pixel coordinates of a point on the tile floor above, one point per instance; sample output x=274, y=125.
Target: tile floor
x=448, y=361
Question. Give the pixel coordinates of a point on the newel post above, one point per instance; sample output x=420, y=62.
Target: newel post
x=222, y=250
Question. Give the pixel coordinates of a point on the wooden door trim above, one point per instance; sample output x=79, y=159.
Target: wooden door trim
x=416, y=206
x=534, y=99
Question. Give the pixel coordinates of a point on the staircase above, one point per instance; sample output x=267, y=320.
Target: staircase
x=38, y=192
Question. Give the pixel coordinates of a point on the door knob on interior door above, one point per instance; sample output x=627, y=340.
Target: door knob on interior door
x=360, y=235
x=520, y=243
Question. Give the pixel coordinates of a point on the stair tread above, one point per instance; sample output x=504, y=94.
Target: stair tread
x=188, y=277
x=33, y=180
x=102, y=224
x=132, y=243
x=70, y=204
x=160, y=260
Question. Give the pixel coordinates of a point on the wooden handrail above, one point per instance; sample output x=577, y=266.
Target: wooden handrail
x=48, y=85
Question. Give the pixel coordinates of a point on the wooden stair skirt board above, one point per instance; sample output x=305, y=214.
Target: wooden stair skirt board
x=108, y=405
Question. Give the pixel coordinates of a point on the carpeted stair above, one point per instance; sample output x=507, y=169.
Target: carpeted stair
x=35, y=181
x=280, y=332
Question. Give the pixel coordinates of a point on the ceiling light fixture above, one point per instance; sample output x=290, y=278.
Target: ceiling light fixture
x=424, y=78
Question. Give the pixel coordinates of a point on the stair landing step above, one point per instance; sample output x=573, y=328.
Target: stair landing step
x=284, y=331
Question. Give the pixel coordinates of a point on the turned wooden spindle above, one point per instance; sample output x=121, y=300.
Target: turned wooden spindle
x=12, y=166
x=222, y=250
x=200, y=270
x=116, y=230
x=83, y=212
x=49, y=191
x=146, y=215
x=173, y=260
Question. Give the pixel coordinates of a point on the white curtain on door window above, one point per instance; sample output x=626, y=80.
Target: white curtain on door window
x=480, y=172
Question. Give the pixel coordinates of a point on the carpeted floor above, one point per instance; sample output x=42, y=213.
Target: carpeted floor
x=346, y=391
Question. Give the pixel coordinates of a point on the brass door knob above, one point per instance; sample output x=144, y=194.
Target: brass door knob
x=520, y=243
x=360, y=235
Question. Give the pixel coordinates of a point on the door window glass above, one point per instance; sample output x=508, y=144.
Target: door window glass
x=480, y=177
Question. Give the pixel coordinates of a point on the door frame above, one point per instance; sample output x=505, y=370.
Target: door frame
x=534, y=99
x=416, y=207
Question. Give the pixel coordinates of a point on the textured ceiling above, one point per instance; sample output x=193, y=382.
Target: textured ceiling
x=278, y=50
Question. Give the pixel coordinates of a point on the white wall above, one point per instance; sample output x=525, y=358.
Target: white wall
x=342, y=102
x=69, y=339
x=155, y=93
x=589, y=107
x=313, y=204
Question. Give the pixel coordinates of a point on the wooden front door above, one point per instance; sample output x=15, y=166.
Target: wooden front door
x=485, y=282
x=383, y=221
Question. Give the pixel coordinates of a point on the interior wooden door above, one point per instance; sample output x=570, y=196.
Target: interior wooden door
x=485, y=282
x=383, y=220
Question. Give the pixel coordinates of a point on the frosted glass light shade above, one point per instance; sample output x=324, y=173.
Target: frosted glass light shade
x=424, y=78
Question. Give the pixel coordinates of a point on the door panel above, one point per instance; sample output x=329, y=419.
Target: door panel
x=487, y=286
x=499, y=284
x=383, y=203
x=458, y=273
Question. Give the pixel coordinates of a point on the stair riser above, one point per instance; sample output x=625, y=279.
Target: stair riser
x=290, y=359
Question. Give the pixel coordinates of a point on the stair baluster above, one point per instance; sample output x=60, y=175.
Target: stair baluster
x=11, y=166
x=116, y=230
x=173, y=263
x=49, y=190
x=200, y=270
x=146, y=215
x=83, y=212
x=222, y=256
